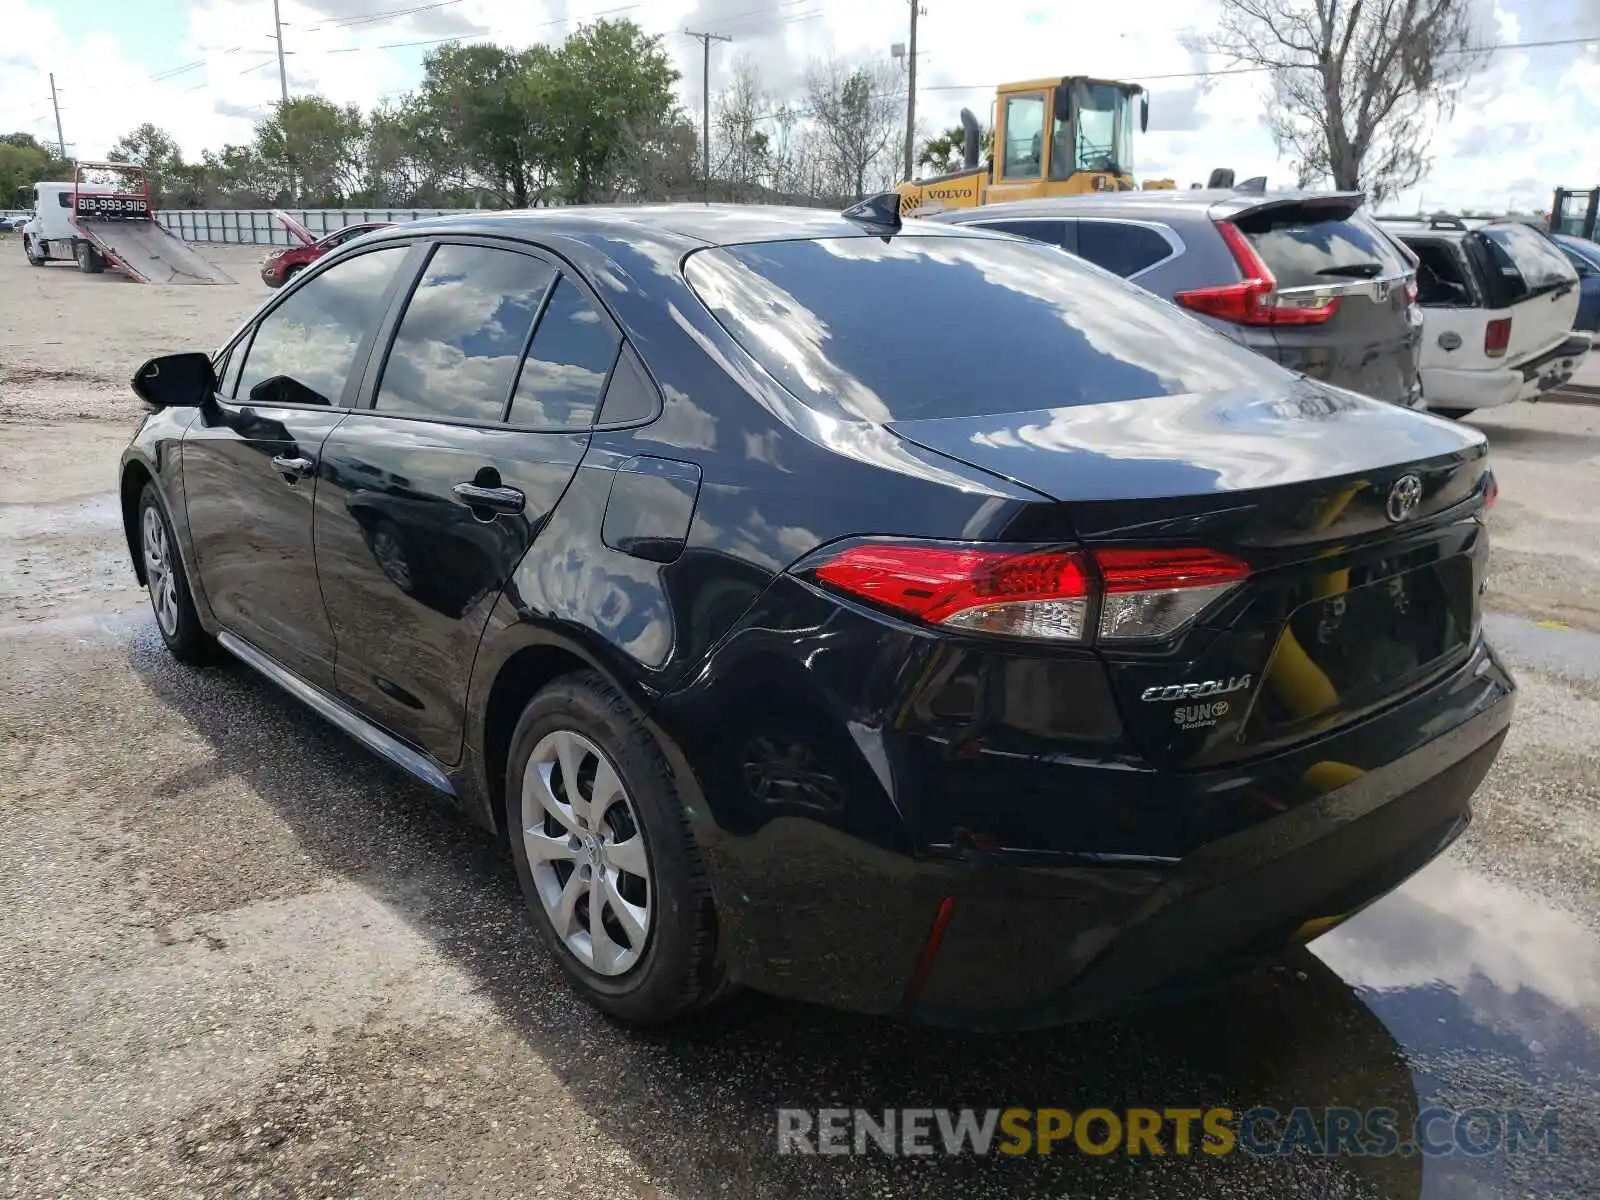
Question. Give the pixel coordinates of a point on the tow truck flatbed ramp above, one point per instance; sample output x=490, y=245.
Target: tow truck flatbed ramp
x=145, y=250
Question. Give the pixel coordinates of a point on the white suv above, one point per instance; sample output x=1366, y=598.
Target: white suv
x=1498, y=303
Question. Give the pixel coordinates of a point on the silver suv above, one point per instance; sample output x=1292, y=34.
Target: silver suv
x=1302, y=277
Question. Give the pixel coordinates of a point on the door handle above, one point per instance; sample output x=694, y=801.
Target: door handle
x=494, y=499
x=292, y=468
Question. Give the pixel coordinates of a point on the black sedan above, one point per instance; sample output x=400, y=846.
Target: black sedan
x=911, y=620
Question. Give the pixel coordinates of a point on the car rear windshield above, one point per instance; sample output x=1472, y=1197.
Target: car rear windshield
x=921, y=326
x=1526, y=261
x=1303, y=247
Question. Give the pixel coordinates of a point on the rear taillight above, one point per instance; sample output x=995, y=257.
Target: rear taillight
x=1155, y=593
x=1491, y=490
x=1255, y=300
x=1496, y=337
x=1039, y=594
x=1411, y=289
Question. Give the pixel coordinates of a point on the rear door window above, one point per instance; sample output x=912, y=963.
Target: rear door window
x=1119, y=247
x=463, y=334
x=572, y=354
x=303, y=350
x=1525, y=261
x=1303, y=247
x=934, y=326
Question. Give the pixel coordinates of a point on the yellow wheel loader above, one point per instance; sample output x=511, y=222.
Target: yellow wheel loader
x=1052, y=137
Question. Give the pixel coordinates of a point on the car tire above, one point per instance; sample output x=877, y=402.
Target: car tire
x=565, y=862
x=168, y=584
x=89, y=260
x=34, y=260
x=1453, y=414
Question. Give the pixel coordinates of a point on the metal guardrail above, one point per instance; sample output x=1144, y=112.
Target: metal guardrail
x=258, y=227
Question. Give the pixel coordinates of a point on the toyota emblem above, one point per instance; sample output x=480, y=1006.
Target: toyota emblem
x=1404, y=496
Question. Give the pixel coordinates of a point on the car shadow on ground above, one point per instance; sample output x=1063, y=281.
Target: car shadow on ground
x=696, y=1104
x=1557, y=444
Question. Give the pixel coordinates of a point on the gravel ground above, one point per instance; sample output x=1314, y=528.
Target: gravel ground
x=242, y=957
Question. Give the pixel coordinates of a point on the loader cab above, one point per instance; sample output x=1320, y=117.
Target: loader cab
x=1058, y=137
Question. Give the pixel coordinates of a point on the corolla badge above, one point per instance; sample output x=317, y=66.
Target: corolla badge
x=1193, y=691
x=1404, y=496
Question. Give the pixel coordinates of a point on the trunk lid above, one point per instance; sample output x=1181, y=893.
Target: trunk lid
x=1347, y=607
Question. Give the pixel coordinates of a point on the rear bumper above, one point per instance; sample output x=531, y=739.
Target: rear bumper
x=1451, y=388
x=1074, y=877
x=1244, y=898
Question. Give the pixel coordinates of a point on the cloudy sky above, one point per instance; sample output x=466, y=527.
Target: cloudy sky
x=205, y=69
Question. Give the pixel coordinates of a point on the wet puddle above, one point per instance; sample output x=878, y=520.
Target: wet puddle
x=58, y=559
x=1493, y=997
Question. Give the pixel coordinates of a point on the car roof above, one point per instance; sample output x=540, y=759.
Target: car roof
x=1213, y=201
x=691, y=225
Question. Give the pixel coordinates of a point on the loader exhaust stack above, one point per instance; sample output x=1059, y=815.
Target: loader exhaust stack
x=971, y=143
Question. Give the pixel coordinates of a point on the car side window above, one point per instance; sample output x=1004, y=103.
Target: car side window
x=1053, y=233
x=304, y=349
x=463, y=333
x=229, y=375
x=630, y=396
x=1121, y=249
x=572, y=354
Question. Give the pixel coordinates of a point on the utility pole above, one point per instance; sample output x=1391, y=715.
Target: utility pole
x=61, y=141
x=277, y=33
x=911, y=91
x=283, y=110
x=705, y=99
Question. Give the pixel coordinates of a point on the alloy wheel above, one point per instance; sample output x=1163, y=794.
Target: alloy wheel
x=586, y=852
x=158, y=572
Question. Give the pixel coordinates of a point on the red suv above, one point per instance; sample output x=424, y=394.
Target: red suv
x=282, y=265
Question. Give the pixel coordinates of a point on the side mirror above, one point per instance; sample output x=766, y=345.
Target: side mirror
x=1144, y=114
x=176, y=380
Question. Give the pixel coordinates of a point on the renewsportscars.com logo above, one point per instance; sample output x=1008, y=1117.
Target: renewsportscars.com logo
x=1152, y=1132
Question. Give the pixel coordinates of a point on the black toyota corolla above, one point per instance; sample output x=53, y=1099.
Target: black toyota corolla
x=911, y=620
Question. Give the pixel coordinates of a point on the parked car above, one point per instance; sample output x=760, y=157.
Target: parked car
x=280, y=266
x=1499, y=302
x=1584, y=256
x=1301, y=277
x=990, y=680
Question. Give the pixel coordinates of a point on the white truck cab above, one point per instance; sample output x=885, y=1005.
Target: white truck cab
x=51, y=234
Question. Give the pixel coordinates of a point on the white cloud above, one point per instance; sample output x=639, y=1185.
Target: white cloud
x=1525, y=125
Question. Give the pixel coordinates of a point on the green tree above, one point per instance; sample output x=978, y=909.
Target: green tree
x=609, y=99
x=477, y=117
x=945, y=152
x=23, y=163
x=315, y=149
x=155, y=150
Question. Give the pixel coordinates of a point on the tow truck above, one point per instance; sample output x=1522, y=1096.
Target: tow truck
x=104, y=218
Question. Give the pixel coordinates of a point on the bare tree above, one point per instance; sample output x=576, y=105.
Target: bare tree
x=858, y=115
x=1355, y=84
x=741, y=113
